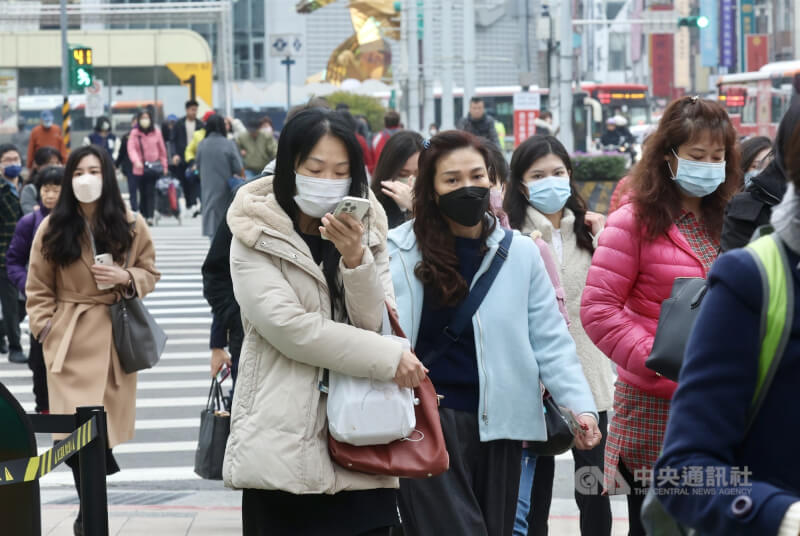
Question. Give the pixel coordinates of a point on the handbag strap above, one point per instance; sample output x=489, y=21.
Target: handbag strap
x=215, y=396
x=463, y=315
x=141, y=147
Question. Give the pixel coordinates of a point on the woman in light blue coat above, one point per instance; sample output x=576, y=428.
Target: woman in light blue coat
x=489, y=376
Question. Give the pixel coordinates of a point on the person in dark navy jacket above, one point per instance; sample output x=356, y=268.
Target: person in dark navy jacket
x=751, y=482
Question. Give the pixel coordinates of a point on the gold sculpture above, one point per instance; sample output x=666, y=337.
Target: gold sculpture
x=366, y=54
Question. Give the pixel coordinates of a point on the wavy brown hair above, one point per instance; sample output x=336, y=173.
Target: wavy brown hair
x=438, y=269
x=656, y=196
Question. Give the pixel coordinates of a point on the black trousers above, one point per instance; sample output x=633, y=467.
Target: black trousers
x=36, y=364
x=12, y=312
x=595, y=510
x=189, y=186
x=74, y=464
x=477, y=496
x=133, y=190
x=635, y=501
x=147, y=189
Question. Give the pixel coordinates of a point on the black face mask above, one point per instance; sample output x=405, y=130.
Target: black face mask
x=465, y=206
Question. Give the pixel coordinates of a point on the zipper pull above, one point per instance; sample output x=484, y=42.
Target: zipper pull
x=485, y=418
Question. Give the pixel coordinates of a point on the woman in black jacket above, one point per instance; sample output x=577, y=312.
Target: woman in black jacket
x=751, y=209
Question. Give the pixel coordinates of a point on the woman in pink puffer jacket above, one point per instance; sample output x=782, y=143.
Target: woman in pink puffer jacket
x=669, y=228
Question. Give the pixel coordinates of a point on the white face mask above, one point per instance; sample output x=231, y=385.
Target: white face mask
x=87, y=187
x=316, y=197
x=144, y=123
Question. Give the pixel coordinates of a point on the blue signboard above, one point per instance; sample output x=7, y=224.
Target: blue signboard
x=709, y=36
x=727, y=33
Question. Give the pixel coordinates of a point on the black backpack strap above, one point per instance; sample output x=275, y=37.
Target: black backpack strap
x=463, y=315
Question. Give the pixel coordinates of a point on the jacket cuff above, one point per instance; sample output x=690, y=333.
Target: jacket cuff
x=129, y=290
x=790, y=526
x=367, y=259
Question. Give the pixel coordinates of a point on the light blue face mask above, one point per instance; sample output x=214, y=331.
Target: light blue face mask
x=549, y=195
x=698, y=179
x=750, y=175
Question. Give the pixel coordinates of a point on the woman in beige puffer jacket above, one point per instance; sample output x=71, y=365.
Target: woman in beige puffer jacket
x=308, y=304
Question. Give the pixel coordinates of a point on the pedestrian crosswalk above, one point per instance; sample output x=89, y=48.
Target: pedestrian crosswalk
x=170, y=396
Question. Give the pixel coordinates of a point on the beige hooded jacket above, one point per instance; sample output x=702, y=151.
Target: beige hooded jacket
x=279, y=427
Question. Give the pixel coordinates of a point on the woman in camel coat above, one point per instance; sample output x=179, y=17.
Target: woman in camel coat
x=68, y=313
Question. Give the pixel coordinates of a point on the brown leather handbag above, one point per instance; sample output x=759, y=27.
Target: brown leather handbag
x=422, y=455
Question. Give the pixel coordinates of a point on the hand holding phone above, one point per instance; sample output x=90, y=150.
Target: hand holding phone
x=355, y=207
x=345, y=230
x=104, y=259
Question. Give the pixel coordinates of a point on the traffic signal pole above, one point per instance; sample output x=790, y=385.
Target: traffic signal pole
x=64, y=76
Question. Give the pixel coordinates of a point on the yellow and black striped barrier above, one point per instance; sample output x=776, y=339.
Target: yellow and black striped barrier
x=28, y=469
x=65, y=122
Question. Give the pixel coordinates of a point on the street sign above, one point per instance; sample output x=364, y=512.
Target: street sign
x=197, y=78
x=283, y=45
x=95, y=104
x=526, y=110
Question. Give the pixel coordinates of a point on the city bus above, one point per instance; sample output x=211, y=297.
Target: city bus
x=121, y=112
x=593, y=104
x=756, y=101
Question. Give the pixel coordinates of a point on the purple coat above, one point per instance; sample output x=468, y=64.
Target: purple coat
x=19, y=251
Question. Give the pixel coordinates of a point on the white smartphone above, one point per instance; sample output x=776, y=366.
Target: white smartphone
x=357, y=207
x=106, y=259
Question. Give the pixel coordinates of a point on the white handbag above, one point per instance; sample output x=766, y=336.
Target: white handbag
x=362, y=411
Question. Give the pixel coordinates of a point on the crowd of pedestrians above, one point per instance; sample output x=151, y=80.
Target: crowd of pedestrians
x=589, y=314
x=510, y=291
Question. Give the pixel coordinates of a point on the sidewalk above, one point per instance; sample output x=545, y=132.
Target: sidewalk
x=137, y=520
x=220, y=520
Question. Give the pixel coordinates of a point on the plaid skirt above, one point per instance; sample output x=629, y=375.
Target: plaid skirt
x=635, y=434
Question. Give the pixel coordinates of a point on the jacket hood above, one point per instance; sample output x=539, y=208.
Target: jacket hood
x=403, y=237
x=255, y=210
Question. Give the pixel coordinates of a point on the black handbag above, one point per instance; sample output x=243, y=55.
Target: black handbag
x=560, y=430
x=215, y=425
x=155, y=167
x=678, y=315
x=139, y=340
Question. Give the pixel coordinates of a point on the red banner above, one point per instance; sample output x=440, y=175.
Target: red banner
x=662, y=56
x=757, y=51
x=524, y=125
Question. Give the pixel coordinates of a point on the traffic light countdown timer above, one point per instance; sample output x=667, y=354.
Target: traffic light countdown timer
x=81, y=72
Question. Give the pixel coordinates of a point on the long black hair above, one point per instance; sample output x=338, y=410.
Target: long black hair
x=67, y=226
x=400, y=147
x=516, y=201
x=298, y=138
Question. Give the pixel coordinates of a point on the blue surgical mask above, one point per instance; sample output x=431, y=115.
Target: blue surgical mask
x=750, y=175
x=698, y=179
x=549, y=195
x=12, y=171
